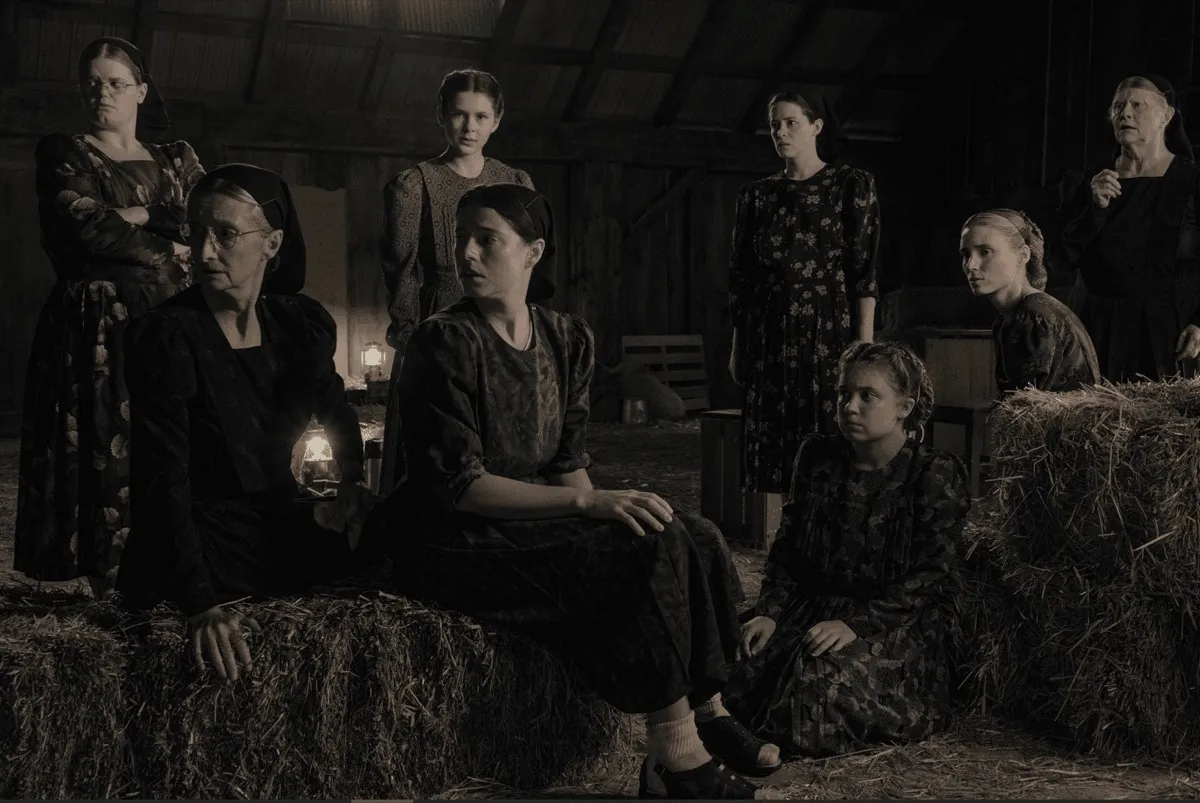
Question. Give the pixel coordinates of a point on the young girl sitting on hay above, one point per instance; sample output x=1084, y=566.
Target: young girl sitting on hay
x=499, y=520
x=847, y=645
x=1038, y=341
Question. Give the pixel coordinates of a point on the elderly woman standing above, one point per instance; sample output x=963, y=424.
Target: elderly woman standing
x=1133, y=236
x=802, y=288
x=111, y=205
x=1038, y=341
x=224, y=380
x=421, y=204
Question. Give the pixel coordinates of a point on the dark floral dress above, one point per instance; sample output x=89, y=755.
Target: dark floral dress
x=648, y=620
x=1041, y=343
x=876, y=550
x=217, y=513
x=72, y=506
x=1138, y=263
x=421, y=207
x=803, y=253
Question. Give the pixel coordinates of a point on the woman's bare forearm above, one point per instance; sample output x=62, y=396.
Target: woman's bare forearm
x=503, y=498
x=578, y=479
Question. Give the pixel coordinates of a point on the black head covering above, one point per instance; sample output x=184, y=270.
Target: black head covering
x=1176, y=137
x=152, y=115
x=526, y=209
x=286, y=273
x=832, y=138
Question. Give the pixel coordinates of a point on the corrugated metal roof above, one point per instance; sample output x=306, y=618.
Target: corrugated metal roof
x=51, y=47
x=884, y=110
x=628, y=95
x=842, y=38
x=195, y=62
x=475, y=18
x=661, y=28
x=754, y=33
x=414, y=80
x=537, y=91
x=561, y=23
x=322, y=75
x=233, y=9
x=936, y=35
x=717, y=101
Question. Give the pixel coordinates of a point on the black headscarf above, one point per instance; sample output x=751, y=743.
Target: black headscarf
x=832, y=138
x=1176, y=137
x=286, y=272
x=152, y=114
x=530, y=214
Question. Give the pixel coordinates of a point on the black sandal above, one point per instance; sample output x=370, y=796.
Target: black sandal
x=729, y=739
x=711, y=781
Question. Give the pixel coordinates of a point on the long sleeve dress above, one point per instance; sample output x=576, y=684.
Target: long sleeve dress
x=804, y=252
x=1138, y=264
x=421, y=208
x=1043, y=344
x=216, y=511
x=876, y=550
x=647, y=619
x=72, y=504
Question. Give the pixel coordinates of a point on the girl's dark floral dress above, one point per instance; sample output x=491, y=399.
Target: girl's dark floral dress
x=72, y=504
x=878, y=551
x=803, y=253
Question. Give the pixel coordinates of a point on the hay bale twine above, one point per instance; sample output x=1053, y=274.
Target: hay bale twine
x=364, y=696
x=1079, y=613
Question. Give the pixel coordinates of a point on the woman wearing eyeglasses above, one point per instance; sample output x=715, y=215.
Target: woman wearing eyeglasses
x=111, y=205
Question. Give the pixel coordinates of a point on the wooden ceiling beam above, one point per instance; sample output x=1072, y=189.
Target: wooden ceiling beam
x=874, y=57
x=711, y=29
x=504, y=32
x=619, y=12
x=274, y=27
x=786, y=62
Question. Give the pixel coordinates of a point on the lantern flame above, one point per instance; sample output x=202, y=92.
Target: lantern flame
x=317, y=449
x=372, y=355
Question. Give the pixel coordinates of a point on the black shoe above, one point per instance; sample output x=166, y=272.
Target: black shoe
x=711, y=781
x=729, y=739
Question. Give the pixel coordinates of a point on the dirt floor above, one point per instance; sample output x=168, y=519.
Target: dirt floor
x=977, y=758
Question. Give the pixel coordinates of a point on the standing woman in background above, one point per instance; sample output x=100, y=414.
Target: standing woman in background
x=802, y=288
x=111, y=206
x=421, y=206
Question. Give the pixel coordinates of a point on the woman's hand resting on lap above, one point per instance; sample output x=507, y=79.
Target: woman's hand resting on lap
x=829, y=636
x=635, y=508
x=755, y=635
x=220, y=635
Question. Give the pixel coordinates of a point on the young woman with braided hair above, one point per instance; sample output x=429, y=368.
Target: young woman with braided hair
x=1039, y=341
x=847, y=644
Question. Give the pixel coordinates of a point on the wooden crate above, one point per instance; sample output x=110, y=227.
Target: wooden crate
x=749, y=518
x=675, y=360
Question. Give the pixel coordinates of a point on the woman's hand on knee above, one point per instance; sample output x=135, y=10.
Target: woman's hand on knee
x=637, y=509
x=221, y=636
x=829, y=636
x=755, y=635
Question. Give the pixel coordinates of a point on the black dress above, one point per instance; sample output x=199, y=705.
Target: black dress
x=1139, y=270
x=1043, y=344
x=216, y=511
x=876, y=550
x=647, y=619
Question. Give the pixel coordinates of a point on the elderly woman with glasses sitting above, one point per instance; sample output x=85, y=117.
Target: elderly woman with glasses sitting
x=224, y=379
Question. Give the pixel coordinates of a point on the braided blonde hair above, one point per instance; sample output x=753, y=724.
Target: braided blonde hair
x=1021, y=230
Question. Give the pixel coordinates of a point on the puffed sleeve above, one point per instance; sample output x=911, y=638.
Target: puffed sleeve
x=167, y=217
x=741, y=260
x=331, y=405
x=940, y=510
x=68, y=190
x=779, y=588
x=860, y=208
x=572, y=448
x=439, y=409
x=1028, y=345
x=403, y=199
x=161, y=375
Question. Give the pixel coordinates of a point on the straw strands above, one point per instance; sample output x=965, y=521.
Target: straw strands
x=1082, y=601
x=359, y=696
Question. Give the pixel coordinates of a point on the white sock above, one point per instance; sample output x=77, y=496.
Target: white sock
x=676, y=744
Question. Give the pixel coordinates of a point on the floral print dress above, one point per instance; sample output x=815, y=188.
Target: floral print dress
x=803, y=253
x=73, y=499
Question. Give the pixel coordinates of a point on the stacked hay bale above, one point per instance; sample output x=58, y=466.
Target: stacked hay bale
x=368, y=696
x=1084, y=592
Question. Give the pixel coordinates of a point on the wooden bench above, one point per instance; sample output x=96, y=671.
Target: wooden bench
x=751, y=518
x=675, y=360
x=973, y=417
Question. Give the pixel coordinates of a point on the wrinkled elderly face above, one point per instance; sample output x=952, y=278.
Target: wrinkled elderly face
x=1139, y=115
x=494, y=261
x=231, y=242
x=111, y=94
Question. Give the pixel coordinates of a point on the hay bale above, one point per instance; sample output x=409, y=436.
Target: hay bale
x=368, y=696
x=1079, y=612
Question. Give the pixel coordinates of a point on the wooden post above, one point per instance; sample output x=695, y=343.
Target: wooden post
x=749, y=518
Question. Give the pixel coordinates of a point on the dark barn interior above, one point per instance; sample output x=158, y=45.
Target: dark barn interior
x=640, y=119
